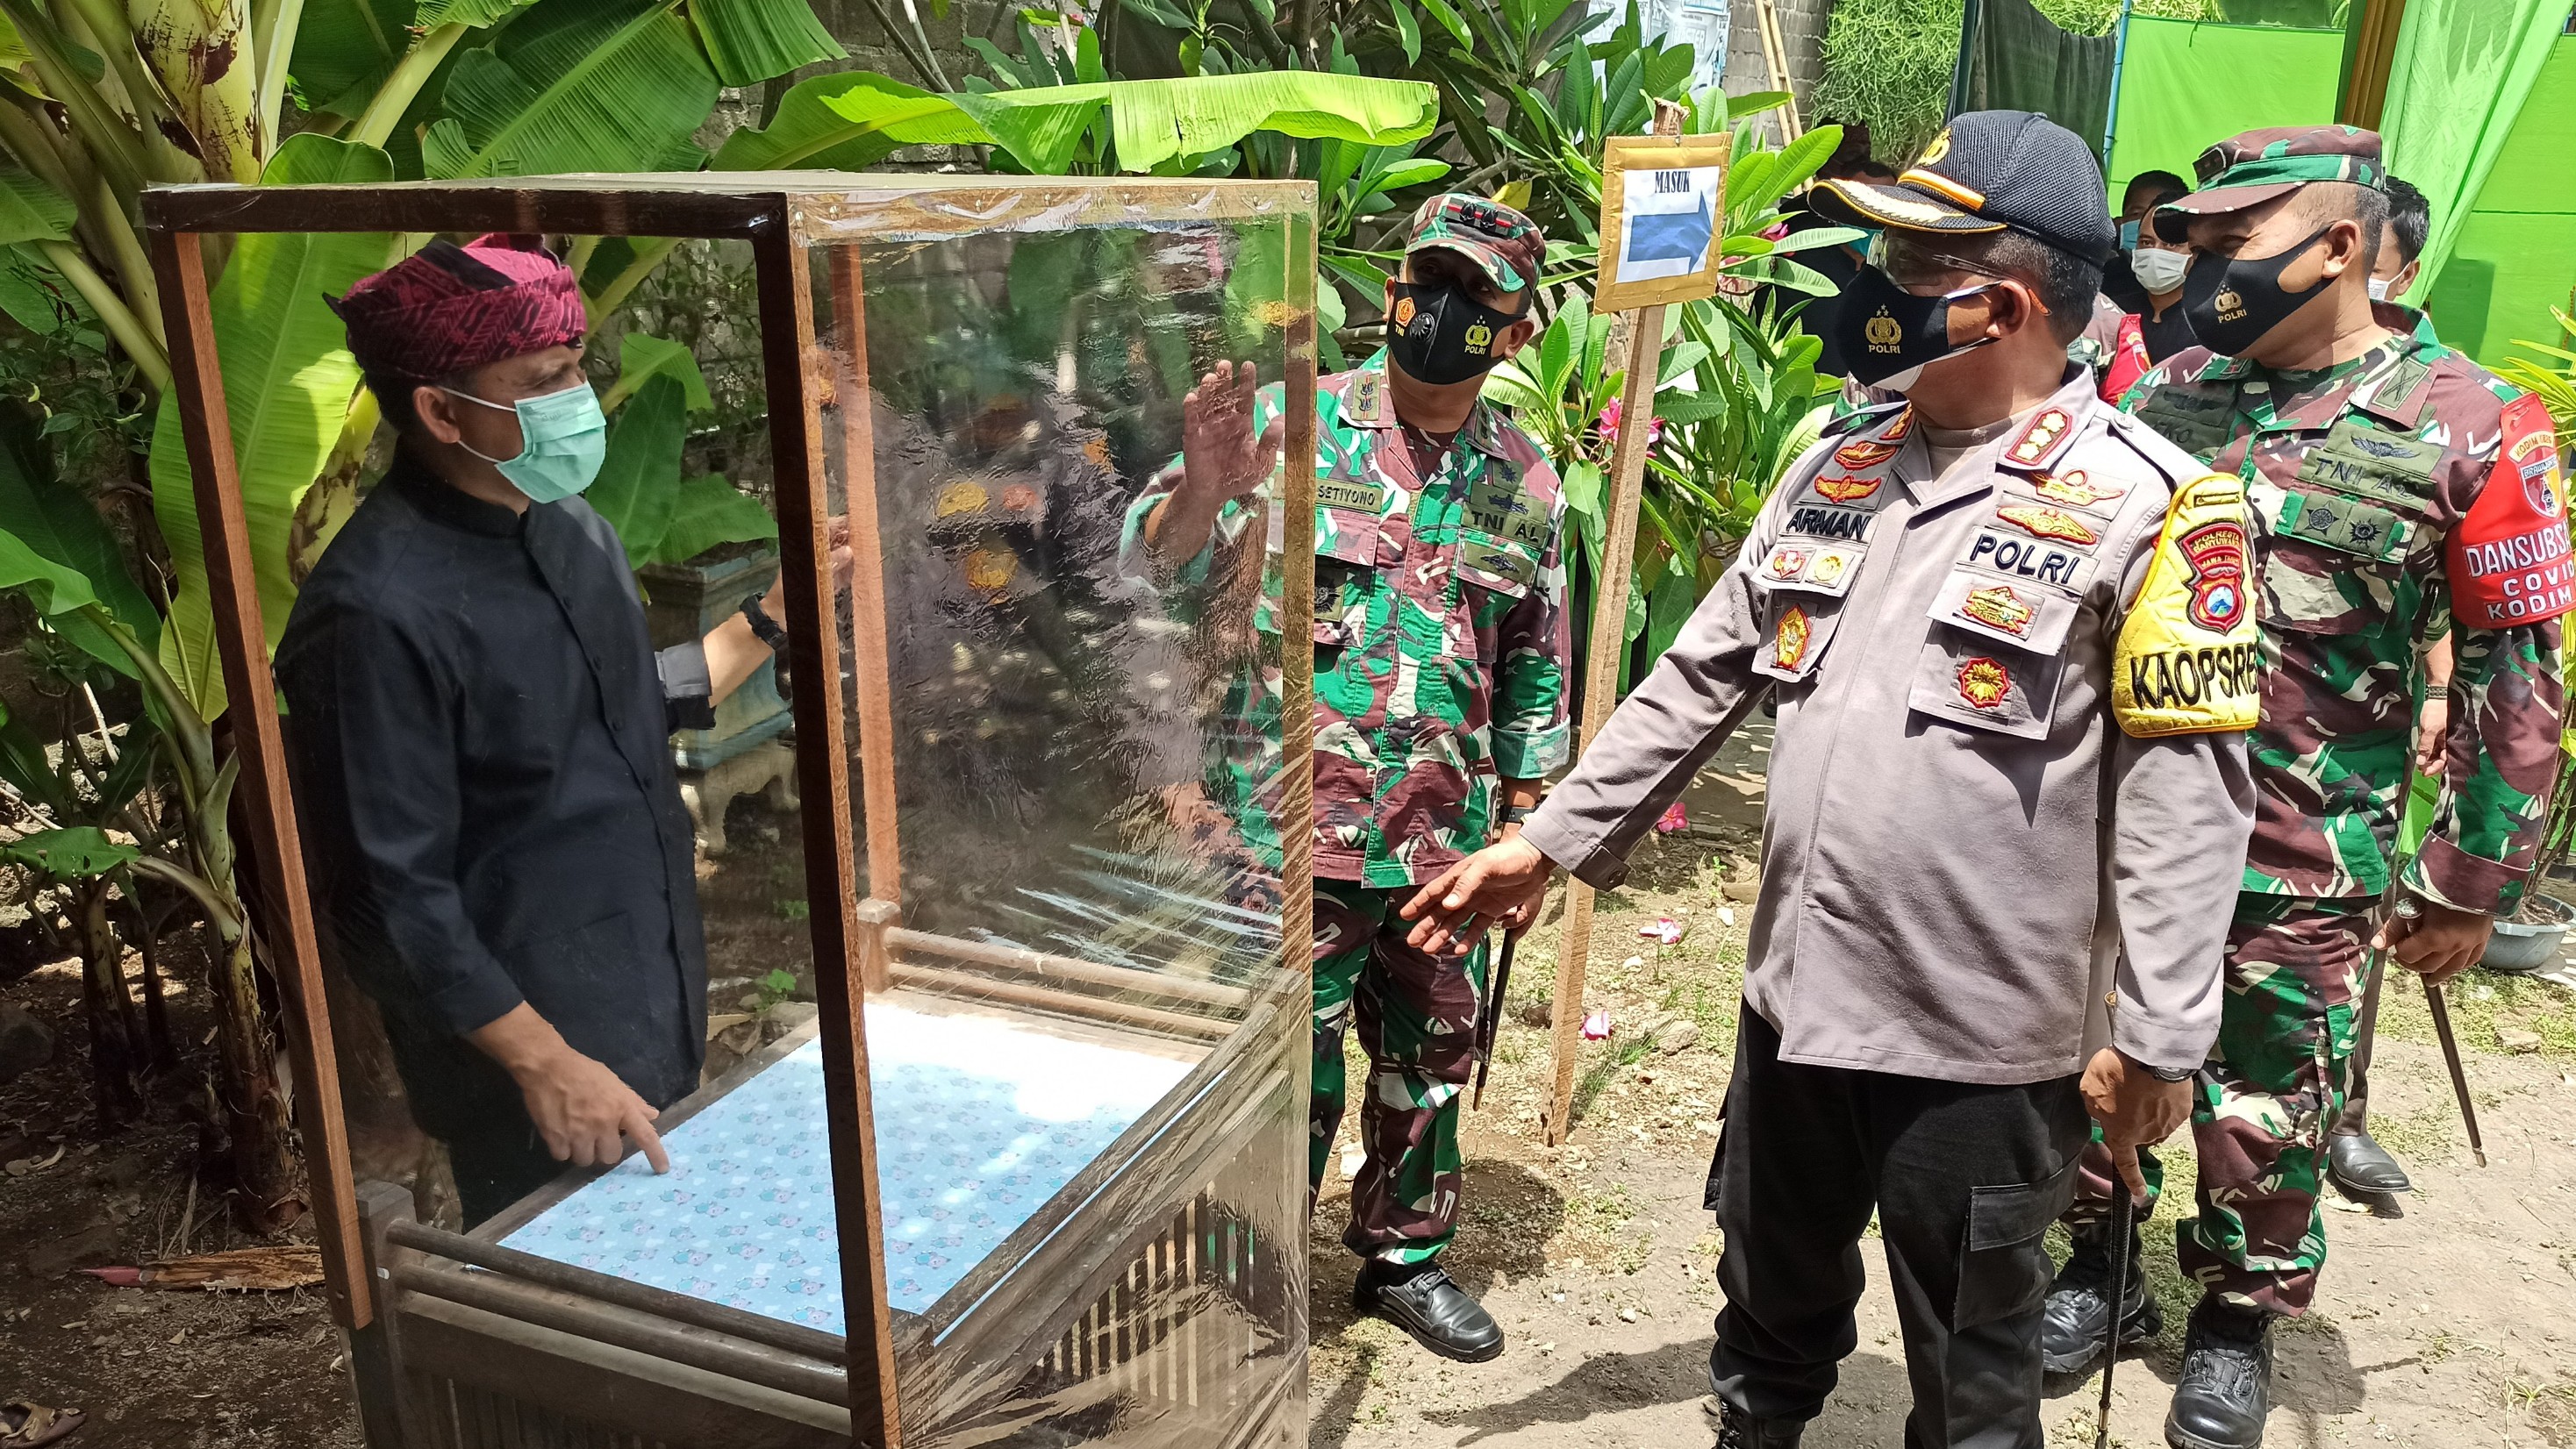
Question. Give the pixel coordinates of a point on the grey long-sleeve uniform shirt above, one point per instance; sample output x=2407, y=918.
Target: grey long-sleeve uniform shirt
x=1962, y=848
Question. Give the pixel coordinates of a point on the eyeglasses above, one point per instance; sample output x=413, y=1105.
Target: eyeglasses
x=1914, y=261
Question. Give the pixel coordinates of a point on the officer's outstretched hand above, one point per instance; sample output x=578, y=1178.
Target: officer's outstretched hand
x=1500, y=885
x=2134, y=1109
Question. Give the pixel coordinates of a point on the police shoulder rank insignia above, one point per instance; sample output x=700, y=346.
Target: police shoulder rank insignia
x=2074, y=490
x=1846, y=489
x=2509, y=560
x=2049, y=523
x=2039, y=439
x=1789, y=645
x=1984, y=682
x=1864, y=453
x=2189, y=659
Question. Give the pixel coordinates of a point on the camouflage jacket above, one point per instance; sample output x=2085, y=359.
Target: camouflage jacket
x=1442, y=646
x=2357, y=473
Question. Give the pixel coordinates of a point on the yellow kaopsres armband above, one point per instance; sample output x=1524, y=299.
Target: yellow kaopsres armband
x=2190, y=657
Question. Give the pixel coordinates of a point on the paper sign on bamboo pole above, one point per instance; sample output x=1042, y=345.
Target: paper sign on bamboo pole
x=1663, y=212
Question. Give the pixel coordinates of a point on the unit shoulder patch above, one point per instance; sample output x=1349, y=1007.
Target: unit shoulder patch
x=2189, y=658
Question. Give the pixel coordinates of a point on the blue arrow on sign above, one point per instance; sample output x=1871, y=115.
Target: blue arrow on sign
x=1673, y=236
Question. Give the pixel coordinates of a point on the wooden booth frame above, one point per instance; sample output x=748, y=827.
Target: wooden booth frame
x=782, y=216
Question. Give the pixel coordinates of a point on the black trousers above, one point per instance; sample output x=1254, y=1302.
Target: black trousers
x=1965, y=1179
x=498, y=1164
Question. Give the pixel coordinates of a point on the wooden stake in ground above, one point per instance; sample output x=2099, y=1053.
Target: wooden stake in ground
x=1662, y=212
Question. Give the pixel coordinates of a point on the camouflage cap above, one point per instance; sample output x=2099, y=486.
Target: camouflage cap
x=2253, y=167
x=1506, y=245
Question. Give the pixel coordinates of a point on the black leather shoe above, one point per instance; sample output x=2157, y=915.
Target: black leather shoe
x=1737, y=1429
x=2225, y=1391
x=2076, y=1321
x=1420, y=1299
x=2359, y=1165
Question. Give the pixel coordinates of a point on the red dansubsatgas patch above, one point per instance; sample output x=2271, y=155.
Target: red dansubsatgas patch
x=2509, y=559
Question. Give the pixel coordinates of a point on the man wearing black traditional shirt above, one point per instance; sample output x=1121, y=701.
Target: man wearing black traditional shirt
x=480, y=739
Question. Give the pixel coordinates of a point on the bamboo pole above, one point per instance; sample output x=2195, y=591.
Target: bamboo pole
x=1608, y=639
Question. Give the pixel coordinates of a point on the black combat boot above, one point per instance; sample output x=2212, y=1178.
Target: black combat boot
x=2363, y=1168
x=2225, y=1391
x=1420, y=1299
x=2076, y=1321
x=1737, y=1429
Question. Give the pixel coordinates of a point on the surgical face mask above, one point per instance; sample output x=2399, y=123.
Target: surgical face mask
x=1889, y=335
x=2158, y=270
x=2128, y=236
x=1438, y=334
x=2379, y=288
x=2231, y=302
x=563, y=438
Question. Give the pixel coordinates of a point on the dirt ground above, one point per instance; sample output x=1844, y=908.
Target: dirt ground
x=2453, y=1325
x=192, y=1370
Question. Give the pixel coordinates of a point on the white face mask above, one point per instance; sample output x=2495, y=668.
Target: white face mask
x=2379, y=288
x=2158, y=270
x=2389, y=289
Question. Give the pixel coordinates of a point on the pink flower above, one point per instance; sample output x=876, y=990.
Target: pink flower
x=1596, y=1027
x=1610, y=426
x=1665, y=931
x=1672, y=820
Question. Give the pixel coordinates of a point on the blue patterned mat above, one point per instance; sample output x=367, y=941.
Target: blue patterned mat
x=979, y=1121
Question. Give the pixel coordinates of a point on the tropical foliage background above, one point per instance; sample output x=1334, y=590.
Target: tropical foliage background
x=112, y=746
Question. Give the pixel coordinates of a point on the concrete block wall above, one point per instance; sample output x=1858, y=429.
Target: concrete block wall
x=1802, y=32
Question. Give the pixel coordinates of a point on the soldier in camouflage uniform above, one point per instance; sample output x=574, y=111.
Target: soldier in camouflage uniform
x=2401, y=491
x=1441, y=657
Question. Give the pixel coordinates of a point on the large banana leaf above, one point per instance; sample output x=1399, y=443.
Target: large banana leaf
x=848, y=122
x=30, y=210
x=1158, y=121
x=710, y=511
x=576, y=85
x=752, y=40
x=639, y=481
x=472, y=14
x=48, y=518
x=288, y=377
x=344, y=49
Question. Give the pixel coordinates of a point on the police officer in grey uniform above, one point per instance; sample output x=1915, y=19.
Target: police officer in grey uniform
x=2006, y=631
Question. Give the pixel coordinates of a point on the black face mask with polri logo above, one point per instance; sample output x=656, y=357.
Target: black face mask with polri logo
x=2231, y=302
x=1889, y=334
x=1438, y=334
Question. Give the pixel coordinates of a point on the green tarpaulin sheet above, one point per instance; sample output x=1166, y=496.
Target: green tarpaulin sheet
x=2516, y=252
x=2023, y=62
x=2455, y=93
x=2185, y=84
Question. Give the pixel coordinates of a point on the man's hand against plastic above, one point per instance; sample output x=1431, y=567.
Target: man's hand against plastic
x=580, y=1107
x=1220, y=458
x=1500, y=885
x=2437, y=945
x=2134, y=1109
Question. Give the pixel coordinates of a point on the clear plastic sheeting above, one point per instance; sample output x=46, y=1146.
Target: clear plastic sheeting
x=1049, y=1045
x=1087, y=782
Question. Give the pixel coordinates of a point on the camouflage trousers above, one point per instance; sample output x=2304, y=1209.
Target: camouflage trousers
x=2265, y=1102
x=1417, y=1022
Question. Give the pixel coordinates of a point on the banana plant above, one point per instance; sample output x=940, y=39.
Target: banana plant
x=57, y=553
